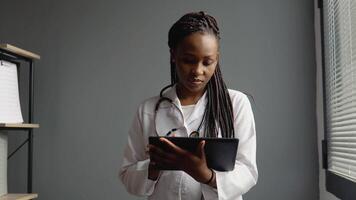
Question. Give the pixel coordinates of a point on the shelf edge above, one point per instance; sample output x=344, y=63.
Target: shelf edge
x=20, y=51
x=18, y=196
x=18, y=125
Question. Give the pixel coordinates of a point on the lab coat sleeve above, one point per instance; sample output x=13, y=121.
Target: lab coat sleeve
x=233, y=184
x=134, y=170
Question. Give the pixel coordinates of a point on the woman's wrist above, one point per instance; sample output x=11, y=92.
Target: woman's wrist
x=212, y=180
x=211, y=177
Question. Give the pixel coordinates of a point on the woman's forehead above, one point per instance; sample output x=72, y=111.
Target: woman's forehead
x=199, y=43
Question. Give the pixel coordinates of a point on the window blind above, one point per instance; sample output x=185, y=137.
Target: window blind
x=340, y=86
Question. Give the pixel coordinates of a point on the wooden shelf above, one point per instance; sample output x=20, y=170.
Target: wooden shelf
x=18, y=125
x=19, y=51
x=12, y=53
x=18, y=196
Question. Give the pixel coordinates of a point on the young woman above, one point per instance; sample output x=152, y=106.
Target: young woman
x=196, y=103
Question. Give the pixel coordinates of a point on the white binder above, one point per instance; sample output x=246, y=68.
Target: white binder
x=10, y=109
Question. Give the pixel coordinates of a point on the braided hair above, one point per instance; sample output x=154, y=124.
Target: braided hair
x=218, y=112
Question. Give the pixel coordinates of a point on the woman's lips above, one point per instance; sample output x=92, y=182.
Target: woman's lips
x=195, y=82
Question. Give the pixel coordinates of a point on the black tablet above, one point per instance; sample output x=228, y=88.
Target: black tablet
x=220, y=152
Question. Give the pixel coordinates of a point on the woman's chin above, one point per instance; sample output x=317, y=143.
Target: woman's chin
x=195, y=88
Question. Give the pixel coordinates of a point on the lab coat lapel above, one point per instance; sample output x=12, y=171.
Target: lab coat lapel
x=169, y=115
x=198, y=111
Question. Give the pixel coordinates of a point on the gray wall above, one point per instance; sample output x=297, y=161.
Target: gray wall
x=100, y=59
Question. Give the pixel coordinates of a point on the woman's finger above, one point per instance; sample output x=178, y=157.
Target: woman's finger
x=158, y=152
x=200, y=152
x=172, y=147
x=163, y=163
x=159, y=160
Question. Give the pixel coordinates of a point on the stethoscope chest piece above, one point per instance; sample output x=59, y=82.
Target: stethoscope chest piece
x=194, y=134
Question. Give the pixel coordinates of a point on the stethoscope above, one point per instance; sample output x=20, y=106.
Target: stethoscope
x=163, y=99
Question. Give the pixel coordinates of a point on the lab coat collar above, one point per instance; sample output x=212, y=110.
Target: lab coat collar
x=172, y=94
x=170, y=116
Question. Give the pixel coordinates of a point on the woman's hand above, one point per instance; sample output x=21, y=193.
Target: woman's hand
x=174, y=157
x=153, y=171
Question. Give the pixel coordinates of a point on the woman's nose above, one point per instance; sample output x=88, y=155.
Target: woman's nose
x=198, y=69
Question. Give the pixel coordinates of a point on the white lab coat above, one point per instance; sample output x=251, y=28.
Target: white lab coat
x=177, y=184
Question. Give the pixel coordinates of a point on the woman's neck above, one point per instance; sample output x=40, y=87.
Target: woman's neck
x=187, y=97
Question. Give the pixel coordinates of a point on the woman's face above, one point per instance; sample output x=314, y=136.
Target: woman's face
x=195, y=58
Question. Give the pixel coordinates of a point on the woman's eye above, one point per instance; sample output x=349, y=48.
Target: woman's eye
x=209, y=62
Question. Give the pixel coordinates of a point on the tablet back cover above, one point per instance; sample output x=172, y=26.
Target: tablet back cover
x=220, y=152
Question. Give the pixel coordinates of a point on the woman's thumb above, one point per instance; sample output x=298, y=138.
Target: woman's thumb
x=200, y=150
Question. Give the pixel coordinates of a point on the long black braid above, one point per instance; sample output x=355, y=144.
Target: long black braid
x=218, y=112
